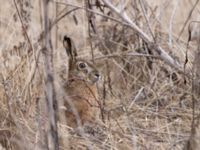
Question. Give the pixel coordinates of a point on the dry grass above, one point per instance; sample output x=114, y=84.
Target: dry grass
x=146, y=104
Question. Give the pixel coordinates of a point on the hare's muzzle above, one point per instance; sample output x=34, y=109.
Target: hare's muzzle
x=95, y=76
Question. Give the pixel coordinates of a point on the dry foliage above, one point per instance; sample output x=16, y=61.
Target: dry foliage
x=140, y=49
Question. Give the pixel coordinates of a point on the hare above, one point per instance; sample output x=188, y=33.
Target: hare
x=81, y=100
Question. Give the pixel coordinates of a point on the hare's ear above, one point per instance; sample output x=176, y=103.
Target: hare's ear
x=70, y=48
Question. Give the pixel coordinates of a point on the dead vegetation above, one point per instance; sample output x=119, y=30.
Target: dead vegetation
x=140, y=49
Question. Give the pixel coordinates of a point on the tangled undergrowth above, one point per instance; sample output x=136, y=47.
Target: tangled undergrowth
x=145, y=102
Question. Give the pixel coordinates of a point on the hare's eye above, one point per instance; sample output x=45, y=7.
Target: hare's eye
x=82, y=65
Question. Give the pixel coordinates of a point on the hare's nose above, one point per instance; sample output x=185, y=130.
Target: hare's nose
x=97, y=75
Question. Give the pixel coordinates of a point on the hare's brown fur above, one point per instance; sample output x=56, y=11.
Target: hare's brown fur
x=81, y=100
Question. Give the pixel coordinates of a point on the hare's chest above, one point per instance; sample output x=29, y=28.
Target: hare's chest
x=82, y=92
x=82, y=100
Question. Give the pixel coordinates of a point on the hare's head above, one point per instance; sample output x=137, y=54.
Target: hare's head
x=80, y=68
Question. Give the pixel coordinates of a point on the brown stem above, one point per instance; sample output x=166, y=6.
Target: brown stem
x=50, y=94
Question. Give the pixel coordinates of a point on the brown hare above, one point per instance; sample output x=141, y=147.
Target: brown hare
x=81, y=95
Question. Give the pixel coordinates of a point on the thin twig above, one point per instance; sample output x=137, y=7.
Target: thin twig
x=127, y=54
x=56, y=32
x=147, y=20
x=171, y=23
x=61, y=17
x=90, y=24
x=188, y=18
x=23, y=26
